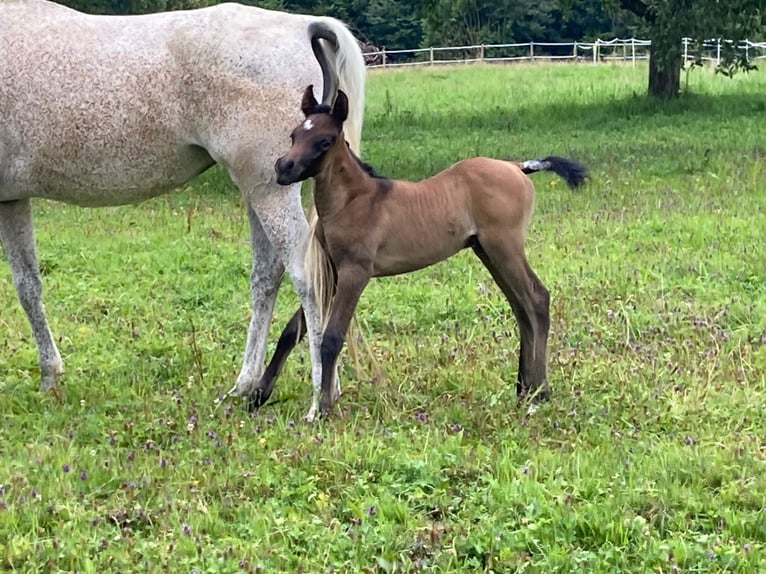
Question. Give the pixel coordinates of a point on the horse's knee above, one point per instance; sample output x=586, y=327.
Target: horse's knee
x=264, y=282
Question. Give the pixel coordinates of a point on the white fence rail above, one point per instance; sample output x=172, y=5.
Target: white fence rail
x=626, y=50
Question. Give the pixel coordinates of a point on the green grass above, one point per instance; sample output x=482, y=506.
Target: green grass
x=650, y=457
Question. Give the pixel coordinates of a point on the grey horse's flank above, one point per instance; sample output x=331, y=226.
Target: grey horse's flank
x=109, y=110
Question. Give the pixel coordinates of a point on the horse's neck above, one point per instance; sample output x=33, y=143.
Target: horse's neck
x=338, y=183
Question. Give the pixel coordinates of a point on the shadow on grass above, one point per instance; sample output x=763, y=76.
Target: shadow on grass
x=576, y=116
x=659, y=138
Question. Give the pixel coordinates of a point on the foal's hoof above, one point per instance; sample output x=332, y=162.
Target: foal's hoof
x=325, y=408
x=257, y=399
x=538, y=395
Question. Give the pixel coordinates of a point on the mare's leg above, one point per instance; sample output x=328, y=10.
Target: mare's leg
x=265, y=277
x=291, y=335
x=351, y=281
x=504, y=258
x=281, y=214
x=17, y=236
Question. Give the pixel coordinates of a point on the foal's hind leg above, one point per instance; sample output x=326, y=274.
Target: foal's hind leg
x=17, y=236
x=291, y=335
x=530, y=300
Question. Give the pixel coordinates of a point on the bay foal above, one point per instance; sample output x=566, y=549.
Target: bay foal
x=372, y=226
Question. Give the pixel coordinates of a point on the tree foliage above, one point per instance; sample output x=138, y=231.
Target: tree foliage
x=455, y=22
x=669, y=21
x=395, y=24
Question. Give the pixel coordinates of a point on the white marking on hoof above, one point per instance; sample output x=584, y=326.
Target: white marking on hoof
x=311, y=415
x=307, y=125
x=239, y=390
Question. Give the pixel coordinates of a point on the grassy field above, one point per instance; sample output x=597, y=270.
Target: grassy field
x=650, y=457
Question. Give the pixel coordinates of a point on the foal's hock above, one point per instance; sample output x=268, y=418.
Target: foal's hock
x=372, y=226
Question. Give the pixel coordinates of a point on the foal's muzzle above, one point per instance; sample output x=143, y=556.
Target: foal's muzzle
x=285, y=169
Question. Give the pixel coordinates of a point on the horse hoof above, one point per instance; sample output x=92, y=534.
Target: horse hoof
x=534, y=396
x=254, y=402
x=49, y=382
x=325, y=408
x=310, y=416
x=256, y=399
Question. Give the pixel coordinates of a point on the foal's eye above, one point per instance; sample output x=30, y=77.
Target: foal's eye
x=325, y=143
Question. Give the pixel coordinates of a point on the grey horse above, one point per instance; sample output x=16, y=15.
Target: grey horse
x=113, y=110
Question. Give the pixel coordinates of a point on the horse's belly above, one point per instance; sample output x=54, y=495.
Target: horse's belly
x=395, y=258
x=113, y=180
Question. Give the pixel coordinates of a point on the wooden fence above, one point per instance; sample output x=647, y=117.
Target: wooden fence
x=625, y=50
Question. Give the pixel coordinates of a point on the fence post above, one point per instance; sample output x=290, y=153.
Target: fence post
x=383, y=52
x=686, y=50
x=574, y=51
x=481, y=53
x=532, y=51
x=633, y=50
x=718, y=51
x=595, y=51
x=431, y=55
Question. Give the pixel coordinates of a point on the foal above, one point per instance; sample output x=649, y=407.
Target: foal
x=372, y=226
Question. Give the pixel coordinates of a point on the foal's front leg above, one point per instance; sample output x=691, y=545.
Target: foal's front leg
x=17, y=236
x=352, y=279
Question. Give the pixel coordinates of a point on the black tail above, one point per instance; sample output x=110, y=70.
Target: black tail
x=572, y=172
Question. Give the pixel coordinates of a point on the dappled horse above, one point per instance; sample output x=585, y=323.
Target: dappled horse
x=111, y=110
x=372, y=226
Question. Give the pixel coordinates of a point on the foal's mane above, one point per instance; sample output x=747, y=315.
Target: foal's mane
x=369, y=170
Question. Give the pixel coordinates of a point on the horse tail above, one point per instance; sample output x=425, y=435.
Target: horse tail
x=343, y=67
x=572, y=172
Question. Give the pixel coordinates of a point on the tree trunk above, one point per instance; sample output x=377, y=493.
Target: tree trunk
x=665, y=62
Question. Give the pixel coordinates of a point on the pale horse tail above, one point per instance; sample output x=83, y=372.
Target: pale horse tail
x=340, y=57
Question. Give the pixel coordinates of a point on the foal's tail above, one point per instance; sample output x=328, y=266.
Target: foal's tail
x=572, y=172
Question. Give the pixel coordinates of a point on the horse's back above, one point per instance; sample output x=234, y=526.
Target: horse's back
x=130, y=106
x=495, y=191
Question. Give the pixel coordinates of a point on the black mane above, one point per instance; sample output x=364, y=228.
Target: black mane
x=369, y=170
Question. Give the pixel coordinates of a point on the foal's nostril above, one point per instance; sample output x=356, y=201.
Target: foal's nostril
x=283, y=165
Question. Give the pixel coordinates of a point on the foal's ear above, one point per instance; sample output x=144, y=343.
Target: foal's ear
x=340, y=109
x=309, y=102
